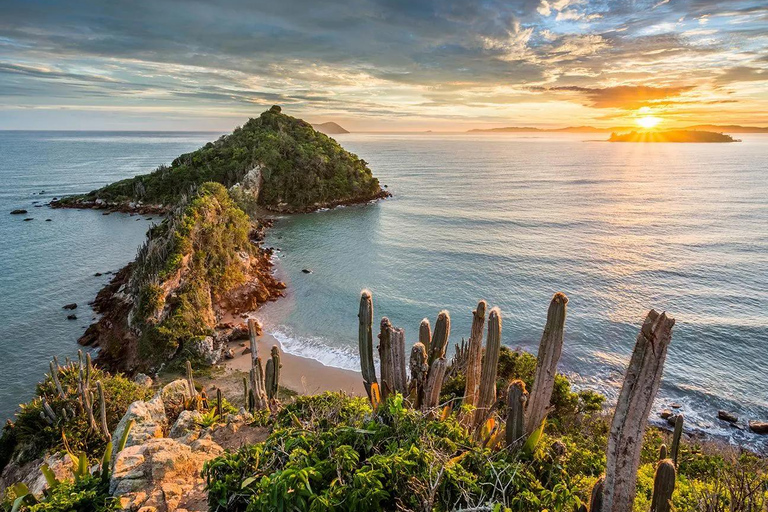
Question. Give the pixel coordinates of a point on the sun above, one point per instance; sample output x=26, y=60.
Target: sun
x=648, y=122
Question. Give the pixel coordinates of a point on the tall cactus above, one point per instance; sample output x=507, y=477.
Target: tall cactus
x=487, y=393
x=663, y=486
x=625, y=438
x=103, y=415
x=365, y=340
x=475, y=355
x=272, y=373
x=386, y=367
x=54, y=365
x=258, y=395
x=419, y=373
x=516, y=399
x=434, y=383
x=440, y=337
x=676, y=436
x=550, y=348
x=397, y=358
x=425, y=334
x=190, y=381
x=596, y=498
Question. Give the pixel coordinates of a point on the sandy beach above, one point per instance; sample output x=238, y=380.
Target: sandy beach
x=300, y=374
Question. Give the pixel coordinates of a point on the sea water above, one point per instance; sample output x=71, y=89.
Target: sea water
x=509, y=218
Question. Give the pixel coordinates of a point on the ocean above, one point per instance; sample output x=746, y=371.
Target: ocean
x=509, y=218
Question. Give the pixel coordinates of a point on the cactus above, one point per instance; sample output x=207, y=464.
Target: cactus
x=625, y=438
x=55, y=377
x=258, y=395
x=663, y=486
x=662, y=452
x=190, y=381
x=103, y=415
x=272, y=378
x=48, y=410
x=365, y=340
x=246, y=395
x=487, y=392
x=679, y=419
x=386, y=368
x=475, y=355
x=419, y=372
x=397, y=360
x=434, y=383
x=219, y=404
x=439, y=341
x=596, y=499
x=516, y=399
x=550, y=347
x=425, y=334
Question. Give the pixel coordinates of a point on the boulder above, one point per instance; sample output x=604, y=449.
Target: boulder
x=186, y=422
x=18, y=212
x=665, y=414
x=229, y=354
x=72, y=317
x=143, y=380
x=759, y=427
x=70, y=306
x=162, y=474
x=206, y=348
x=176, y=391
x=149, y=422
x=727, y=416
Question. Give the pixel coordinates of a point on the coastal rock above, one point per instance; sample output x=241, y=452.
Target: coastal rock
x=306, y=271
x=31, y=475
x=206, y=348
x=72, y=317
x=229, y=354
x=28, y=219
x=70, y=306
x=665, y=414
x=143, y=380
x=18, y=212
x=727, y=416
x=149, y=422
x=759, y=427
x=176, y=391
x=163, y=475
x=671, y=420
x=186, y=422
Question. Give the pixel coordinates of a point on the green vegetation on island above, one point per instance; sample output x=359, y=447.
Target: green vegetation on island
x=281, y=161
x=197, y=261
x=671, y=136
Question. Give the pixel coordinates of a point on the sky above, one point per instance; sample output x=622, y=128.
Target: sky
x=382, y=65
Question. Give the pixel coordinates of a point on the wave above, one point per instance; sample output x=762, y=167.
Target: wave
x=316, y=348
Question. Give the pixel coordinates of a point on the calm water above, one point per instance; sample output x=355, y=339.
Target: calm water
x=45, y=265
x=619, y=228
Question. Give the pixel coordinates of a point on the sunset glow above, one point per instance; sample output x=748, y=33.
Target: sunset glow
x=648, y=122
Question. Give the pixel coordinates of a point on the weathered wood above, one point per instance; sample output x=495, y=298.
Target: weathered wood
x=550, y=348
x=641, y=384
x=419, y=372
x=475, y=355
x=386, y=369
x=440, y=337
x=397, y=358
x=487, y=392
x=516, y=399
x=434, y=383
x=365, y=340
x=425, y=334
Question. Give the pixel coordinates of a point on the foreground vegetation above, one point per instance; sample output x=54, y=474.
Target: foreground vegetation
x=300, y=169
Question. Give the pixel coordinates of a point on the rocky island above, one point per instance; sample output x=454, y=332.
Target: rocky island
x=671, y=136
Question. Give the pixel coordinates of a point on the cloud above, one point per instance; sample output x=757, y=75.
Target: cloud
x=627, y=97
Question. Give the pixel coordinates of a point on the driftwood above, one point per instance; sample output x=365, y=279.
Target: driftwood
x=625, y=438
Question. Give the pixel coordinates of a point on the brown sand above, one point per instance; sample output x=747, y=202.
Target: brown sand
x=300, y=374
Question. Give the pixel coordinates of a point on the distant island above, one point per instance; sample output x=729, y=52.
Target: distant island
x=671, y=136
x=622, y=129
x=330, y=128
